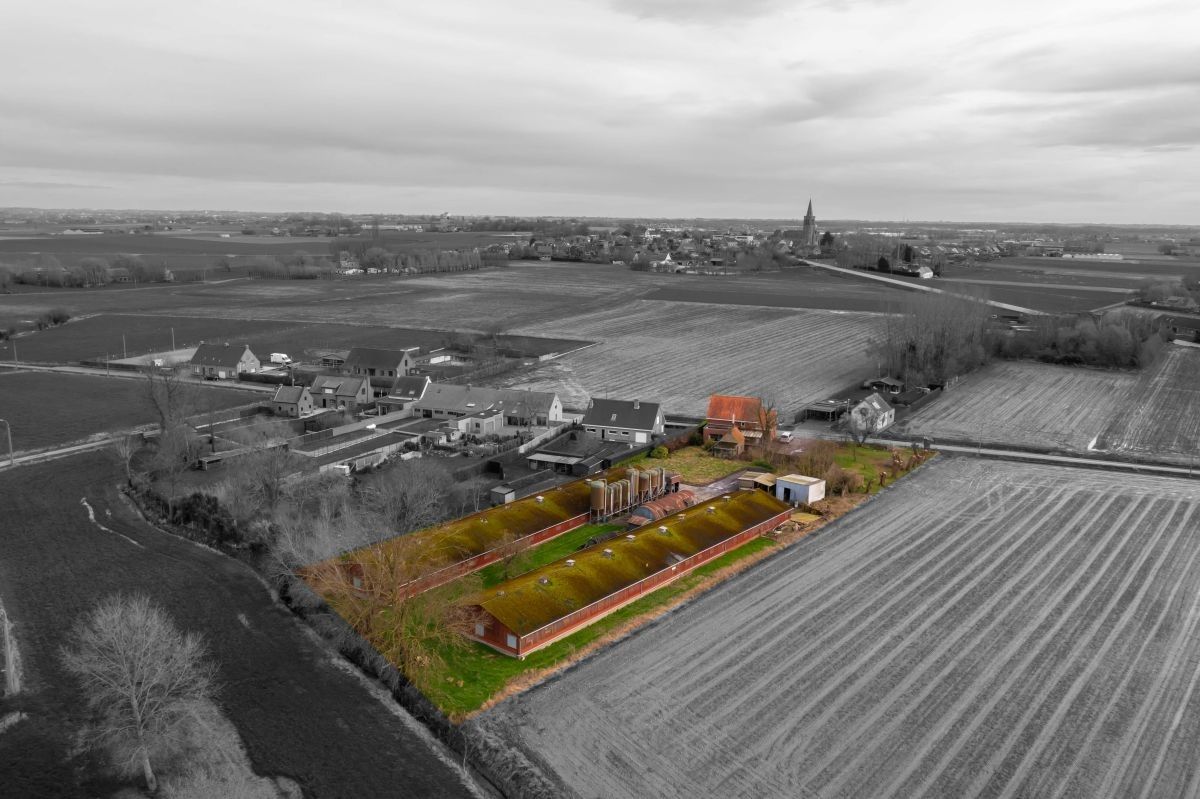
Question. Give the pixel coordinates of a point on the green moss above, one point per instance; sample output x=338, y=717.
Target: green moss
x=554, y=549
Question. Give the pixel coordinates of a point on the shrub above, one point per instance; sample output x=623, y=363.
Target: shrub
x=766, y=466
x=659, y=452
x=816, y=458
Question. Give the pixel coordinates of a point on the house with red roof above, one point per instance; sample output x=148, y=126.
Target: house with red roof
x=747, y=415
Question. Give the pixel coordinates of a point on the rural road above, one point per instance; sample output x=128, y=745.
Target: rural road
x=67, y=539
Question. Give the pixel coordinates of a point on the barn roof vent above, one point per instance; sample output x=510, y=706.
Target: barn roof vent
x=711, y=509
x=631, y=537
x=540, y=499
x=725, y=498
x=608, y=553
x=662, y=528
x=544, y=580
x=570, y=561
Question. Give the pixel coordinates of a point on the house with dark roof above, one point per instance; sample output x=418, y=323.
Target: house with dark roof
x=340, y=392
x=631, y=421
x=403, y=395
x=371, y=362
x=520, y=408
x=223, y=361
x=746, y=414
x=294, y=401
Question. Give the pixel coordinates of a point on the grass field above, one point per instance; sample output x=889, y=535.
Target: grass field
x=694, y=464
x=980, y=629
x=51, y=408
x=679, y=353
x=301, y=712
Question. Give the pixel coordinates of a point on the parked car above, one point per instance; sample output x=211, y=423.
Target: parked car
x=784, y=436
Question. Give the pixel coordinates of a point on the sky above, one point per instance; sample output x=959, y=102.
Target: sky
x=1022, y=110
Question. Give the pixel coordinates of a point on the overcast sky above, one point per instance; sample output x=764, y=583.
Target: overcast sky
x=1022, y=110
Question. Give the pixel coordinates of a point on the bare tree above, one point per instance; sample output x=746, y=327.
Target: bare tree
x=171, y=395
x=138, y=673
x=864, y=419
x=124, y=449
x=932, y=338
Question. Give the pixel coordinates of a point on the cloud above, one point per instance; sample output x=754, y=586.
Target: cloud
x=50, y=184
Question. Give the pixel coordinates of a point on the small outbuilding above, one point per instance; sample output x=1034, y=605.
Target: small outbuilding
x=797, y=489
x=294, y=401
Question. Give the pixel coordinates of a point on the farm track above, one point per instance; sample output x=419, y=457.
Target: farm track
x=300, y=714
x=678, y=353
x=980, y=629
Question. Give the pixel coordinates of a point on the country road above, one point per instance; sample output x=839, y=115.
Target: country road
x=67, y=538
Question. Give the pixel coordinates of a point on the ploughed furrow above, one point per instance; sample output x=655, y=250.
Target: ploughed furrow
x=875, y=655
x=1119, y=680
x=1045, y=704
x=813, y=626
x=927, y=703
x=1163, y=416
x=981, y=629
x=929, y=675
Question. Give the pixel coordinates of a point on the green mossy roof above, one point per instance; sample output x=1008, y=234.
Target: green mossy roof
x=526, y=603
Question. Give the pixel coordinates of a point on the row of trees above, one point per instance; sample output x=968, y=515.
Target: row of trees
x=46, y=270
x=932, y=338
x=1115, y=341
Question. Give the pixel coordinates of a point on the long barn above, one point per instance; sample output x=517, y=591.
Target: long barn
x=536, y=609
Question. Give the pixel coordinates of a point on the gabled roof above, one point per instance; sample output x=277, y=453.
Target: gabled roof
x=409, y=388
x=341, y=385
x=371, y=358
x=630, y=414
x=219, y=354
x=877, y=403
x=734, y=436
x=470, y=399
x=729, y=408
x=289, y=394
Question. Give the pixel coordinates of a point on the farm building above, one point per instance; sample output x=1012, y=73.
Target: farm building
x=826, y=410
x=746, y=414
x=223, y=361
x=632, y=421
x=796, y=489
x=403, y=395
x=520, y=408
x=338, y=392
x=294, y=401
x=448, y=551
x=884, y=385
x=480, y=423
x=665, y=505
x=529, y=612
x=730, y=445
x=875, y=413
x=371, y=362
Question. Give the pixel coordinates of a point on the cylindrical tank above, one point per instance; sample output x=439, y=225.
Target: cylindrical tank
x=645, y=484
x=598, y=496
x=633, y=476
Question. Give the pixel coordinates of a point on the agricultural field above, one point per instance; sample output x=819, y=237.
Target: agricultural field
x=95, y=336
x=69, y=538
x=1161, y=416
x=980, y=628
x=678, y=353
x=1026, y=404
x=46, y=409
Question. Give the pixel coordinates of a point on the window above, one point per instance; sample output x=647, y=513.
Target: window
x=511, y=641
x=479, y=629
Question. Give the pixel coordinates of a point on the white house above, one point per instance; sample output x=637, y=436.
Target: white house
x=632, y=421
x=873, y=414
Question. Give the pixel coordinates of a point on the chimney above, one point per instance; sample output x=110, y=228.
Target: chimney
x=637, y=404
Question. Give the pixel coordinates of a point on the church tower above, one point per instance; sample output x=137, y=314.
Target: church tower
x=810, y=240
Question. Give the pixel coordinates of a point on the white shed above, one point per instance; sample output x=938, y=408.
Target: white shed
x=796, y=489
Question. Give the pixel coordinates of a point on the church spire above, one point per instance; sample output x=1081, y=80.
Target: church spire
x=810, y=213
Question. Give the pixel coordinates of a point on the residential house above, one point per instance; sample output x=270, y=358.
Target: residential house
x=294, y=401
x=632, y=421
x=223, y=361
x=404, y=394
x=874, y=414
x=746, y=414
x=339, y=392
x=520, y=408
x=371, y=362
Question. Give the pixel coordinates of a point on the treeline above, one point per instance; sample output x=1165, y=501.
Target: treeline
x=1183, y=293
x=46, y=270
x=1127, y=341
x=370, y=255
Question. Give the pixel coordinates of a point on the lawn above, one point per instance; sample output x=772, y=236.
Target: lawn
x=484, y=672
x=867, y=460
x=694, y=465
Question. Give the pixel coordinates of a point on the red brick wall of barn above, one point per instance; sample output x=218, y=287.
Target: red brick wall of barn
x=602, y=607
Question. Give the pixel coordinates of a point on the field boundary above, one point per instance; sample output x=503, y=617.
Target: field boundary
x=12, y=659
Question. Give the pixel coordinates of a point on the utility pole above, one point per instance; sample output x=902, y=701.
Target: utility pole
x=172, y=339
x=124, y=352
x=12, y=460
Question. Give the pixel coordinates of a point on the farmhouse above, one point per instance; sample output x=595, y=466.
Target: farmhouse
x=796, y=489
x=294, y=401
x=337, y=392
x=529, y=612
x=632, y=421
x=520, y=408
x=371, y=362
x=746, y=414
x=730, y=445
x=875, y=413
x=223, y=361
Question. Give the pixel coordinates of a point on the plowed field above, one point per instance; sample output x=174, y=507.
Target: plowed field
x=1165, y=418
x=981, y=629
x=679, y=353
